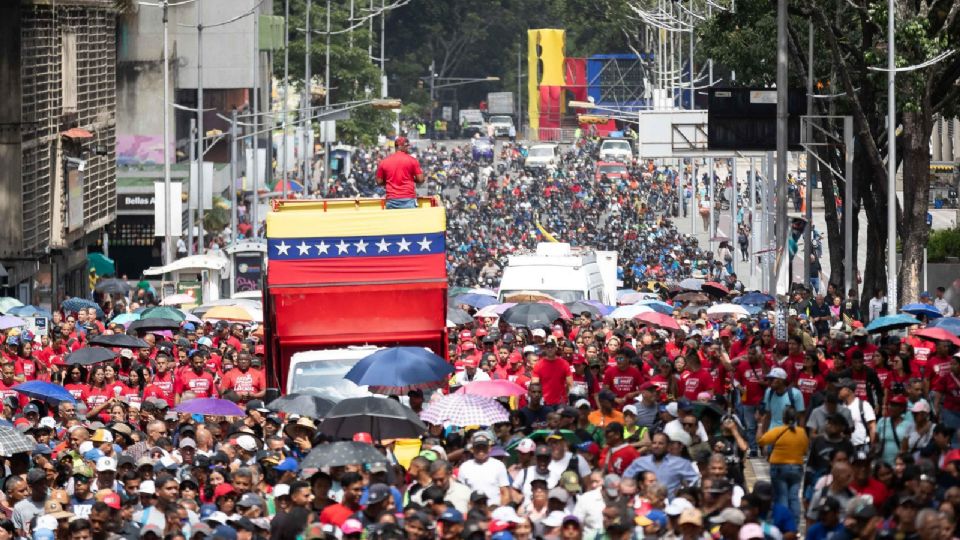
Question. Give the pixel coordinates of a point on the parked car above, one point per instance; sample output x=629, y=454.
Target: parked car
x=611, y=170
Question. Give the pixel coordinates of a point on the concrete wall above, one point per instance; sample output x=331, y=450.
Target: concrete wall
x=11, y=233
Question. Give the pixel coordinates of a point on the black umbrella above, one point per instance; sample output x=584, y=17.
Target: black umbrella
x=119, y=340
x=302, y=404
x=340, y=453
x=154, y=324
x=383, y=418
x=530, y=315
x=579, y=307
x=458, y=316
x=113, y=286
x=90, y=355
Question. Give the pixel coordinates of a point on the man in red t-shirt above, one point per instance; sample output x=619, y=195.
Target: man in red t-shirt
x=695, y=379
x=399, y=174
x=197, y=380
x=554, y=375
x=623, y=379
x=248, y=383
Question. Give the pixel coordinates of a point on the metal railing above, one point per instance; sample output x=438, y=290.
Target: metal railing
x=565, y=135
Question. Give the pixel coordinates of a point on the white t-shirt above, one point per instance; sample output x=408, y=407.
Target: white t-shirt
x=557, y=467
x=875, y=307
x=521, y=482
x=487, y=477
x=860, y=434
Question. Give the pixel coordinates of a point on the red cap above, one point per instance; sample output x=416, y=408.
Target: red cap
x=221, y=490
x=726, y=333
x=259, y=350
x=481, y=332
x=112, y=500
x=22, y=422
x=499, y=526
x=899, y=399
x=468, y=346
x=558, y=333
x=515, y=358
x=953, y=455
x=400, y=141
x=465, y=335
x=578, y=359
x=363, y=437
x=648, y=386
x=469, y=361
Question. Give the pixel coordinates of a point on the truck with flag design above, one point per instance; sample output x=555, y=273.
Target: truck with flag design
x=344, y=273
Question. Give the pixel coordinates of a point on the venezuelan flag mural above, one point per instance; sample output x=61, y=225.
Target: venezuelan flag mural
x=339, y=242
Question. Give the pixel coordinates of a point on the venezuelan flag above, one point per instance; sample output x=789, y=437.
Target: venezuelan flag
x=346, y=241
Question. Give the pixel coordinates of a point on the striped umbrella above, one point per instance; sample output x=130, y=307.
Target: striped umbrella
x=465, y=410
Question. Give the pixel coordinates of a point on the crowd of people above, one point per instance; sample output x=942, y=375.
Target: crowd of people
x=624, y=430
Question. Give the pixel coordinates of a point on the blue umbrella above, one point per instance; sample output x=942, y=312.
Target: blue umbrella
x=754, y=299
x=891, y=322
x=474, y=300
x=44, y=391
x=658, y=306
x=76, y=304
x=29, y=311
x=400, y=369
x=918, y=309
x=950, y=324
x=753, y=309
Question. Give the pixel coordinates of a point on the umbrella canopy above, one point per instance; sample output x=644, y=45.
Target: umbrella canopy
x=29, y=311
x=714, y=288
x=560, y=307
x=229, y=313
x=382, y=418
x=8, y=302
x=11, y=321
x=629, y=312
x=633, y=298
x=580, y=306
x=210, y=407
x=569, y=436
x=938, y=334
x=485, y=292
x=458, y=316
x=474, y=300
x=113, y=286
x=126, y=318
x=119, y=340
x=493, y=389
x=722, y=310
x=527, y=296
x=44, y=391
x=154, y=324
x=340, y=453
x=76, y=304
x=950, y=324
x=891, y=322
x=102, y=264
x=755, y=298
x=178, y=300
x=658, y=306
x=163, y=312
x=926, y=310
x=659, y=320
x=13, y=442
x=292, y=186
x=302, y=404
x=398, y=370
x=465, y=410
x=692, y=297
x=692, y=284
x=531, y=315
x=495, y=310
x=88, y=356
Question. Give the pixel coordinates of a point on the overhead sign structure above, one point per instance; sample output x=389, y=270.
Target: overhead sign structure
x=746, y=119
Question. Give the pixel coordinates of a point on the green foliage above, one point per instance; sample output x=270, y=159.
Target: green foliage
x=216, y=219
x=942, y=244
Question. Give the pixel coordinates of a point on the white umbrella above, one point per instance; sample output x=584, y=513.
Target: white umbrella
x=723, y=310
x=178, y=300
x=629, y=312
x=484, y=292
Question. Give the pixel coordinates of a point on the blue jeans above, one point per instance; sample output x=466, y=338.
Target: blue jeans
x=394, y=204
x=786, y=480
x=749, y=419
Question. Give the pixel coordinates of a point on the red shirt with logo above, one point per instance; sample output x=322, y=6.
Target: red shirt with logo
x=694, y=382
x=623, y=382
x=201, y=385
x=751, y=379
x=948, y=385
x=246, y=383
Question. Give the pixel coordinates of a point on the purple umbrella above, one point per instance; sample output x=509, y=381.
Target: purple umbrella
x=210, y=407
x=10, y=321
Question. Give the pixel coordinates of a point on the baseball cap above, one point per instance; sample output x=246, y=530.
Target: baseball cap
x=730, y=515
x=249, y=500
x=287, y=465
x=559, y=494
x=691, y=516
x=777, y=373
x=553, y=519
x=847, y=382
x=106, y=463
x=351, y=526
x=111, y=499
x=219, y=491
x=751, y=531
x=31, y=408
x=54, y=509
x=526, y=446
x=582, y=403
x=377, y=493
x=451, y=515
x=611, y=484
x=147, y=487
x=363, y=436
x=247, y=443
x=399, y=141
x=677, y=506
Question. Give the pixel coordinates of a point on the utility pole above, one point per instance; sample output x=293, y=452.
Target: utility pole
x=254, y=211
x=692, y=23
x=200, y=132
x=326, y=103
x=193, y=158
x=286, y=90
x=811, y=163
x=519, y=87
x=167, y=210
x=891, y=163
x=781, y=178
x=307, y=113
x=233, y=175
x=383, y=48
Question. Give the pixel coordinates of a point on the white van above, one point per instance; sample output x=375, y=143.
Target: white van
x=542, y=156
x=321, y=372
x=616, y=150
x=565, y=273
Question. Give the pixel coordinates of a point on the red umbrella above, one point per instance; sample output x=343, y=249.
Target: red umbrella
x=493, y=389
x=938, y=334
x=658, y=319
x=559, y=306
x=714, y=288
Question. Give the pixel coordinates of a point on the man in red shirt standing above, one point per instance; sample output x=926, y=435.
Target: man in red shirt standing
x=197, y=380
x=623, y=379
x=399, y=174
x=554, y=375
x=248, y=383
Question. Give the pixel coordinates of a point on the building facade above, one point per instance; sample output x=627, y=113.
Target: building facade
x=57, y=139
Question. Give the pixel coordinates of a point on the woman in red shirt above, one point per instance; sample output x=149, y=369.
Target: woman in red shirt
x=901, y=371
x=110, y=381
x=75, y=384
x=882, y=365
x=134, y=392
x=97, y=392
x=666, y=380
x=809, y=380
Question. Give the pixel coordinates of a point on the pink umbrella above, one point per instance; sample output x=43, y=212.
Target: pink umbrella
x=494, y=310
x=493, y=389
x=659, y=320
x=564, y=310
